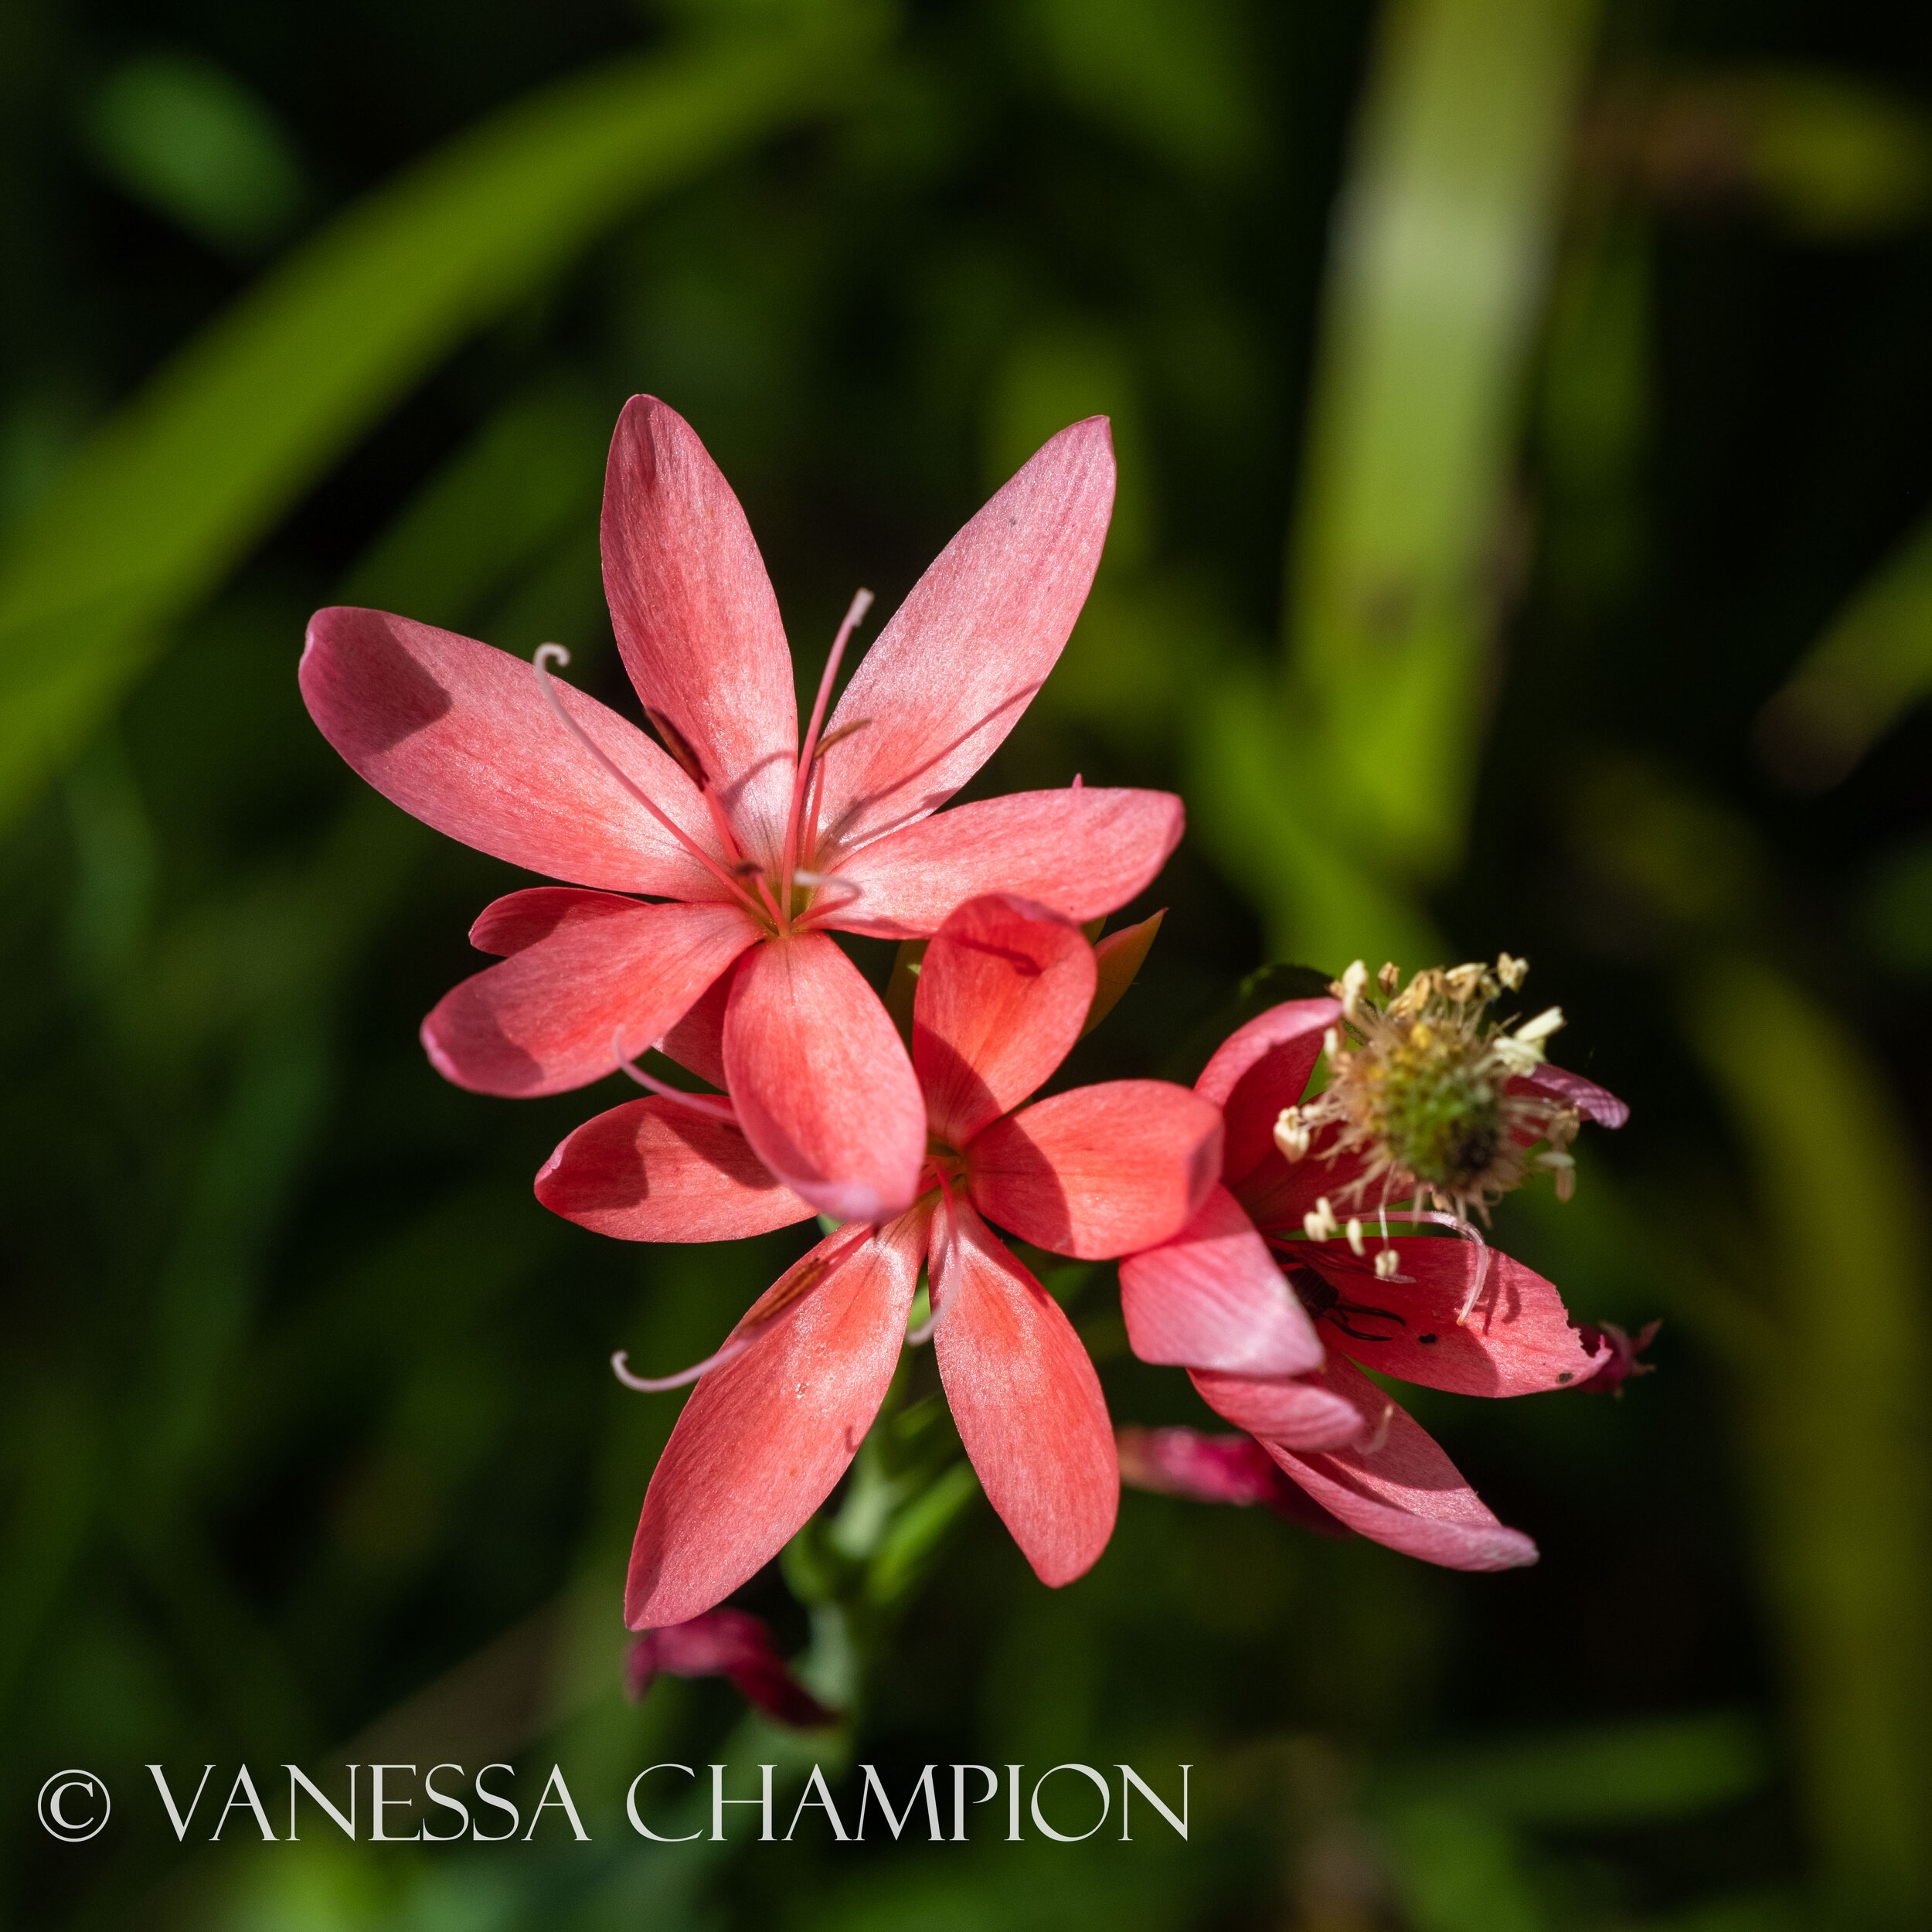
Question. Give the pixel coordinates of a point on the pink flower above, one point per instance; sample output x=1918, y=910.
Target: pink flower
x=1216, y=1300
x=779, y=1412
x=727, y=1643
x=756, y=846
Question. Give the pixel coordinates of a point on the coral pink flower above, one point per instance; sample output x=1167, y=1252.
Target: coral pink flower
x=727, y=1643
x=779, y=1413
x=1215, y=1301
x=756, y=846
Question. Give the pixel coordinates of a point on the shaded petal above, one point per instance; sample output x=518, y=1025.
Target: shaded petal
x=1001, y=996
x=1401, y=1489
x=1213, y=1297
x=520, y=919
x=727, y=1643
x=1260, y=1069
x=1101, y=1171
x=1026, y=1398
x=1300, y=1411
x=1081, y=853
x=653, y=1170
x=458, y=734
x=1594, y=1102
x=962, y=657
x=697, y=1041
x=542, y=1021
x=766, y=1435
x=822, y=1086
x=696, y=618
x=1277, y=1192
x=1204, y=1468
x=1519, y=1338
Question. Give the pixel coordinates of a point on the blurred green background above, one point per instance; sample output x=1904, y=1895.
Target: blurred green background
x=1525, y=411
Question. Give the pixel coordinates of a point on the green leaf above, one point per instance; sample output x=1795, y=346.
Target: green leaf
x=171, y=493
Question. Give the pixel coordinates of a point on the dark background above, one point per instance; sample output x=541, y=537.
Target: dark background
x=1576, y=364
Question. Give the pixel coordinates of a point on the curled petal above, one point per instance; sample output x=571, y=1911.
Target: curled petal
x=764, y=1437
x=1098, y=1172
x=824, y=1090
x=459, y=735
x=1026, y=1398
x=655, y=1171
x=1519, y=1338
x=1001, y=995
x=1594, y=1102
x=1398, y=1487
x=962, y=657
x=1212, y=1297
x=1260, y=1069
x=1081, y=851
x=543, y=1020
x=1204, y=1468
x=696, y=618
x=727, y=1643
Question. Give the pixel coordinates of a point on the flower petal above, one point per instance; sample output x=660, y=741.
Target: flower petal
x=823, y=1088
x=1401, y=1489
x=1101, y=1171
x=697, y=1041
x=1277, y=1192
x=1026, y=1398
x=1235, y=1469
x=1301, y=1412
x=963, y=656
x=654, y=1170
x=459, y=735
x=1594, y=1102
x=727, y=1643
x=1081, y=853
x=1519, y=1338
x=1212, y=1297
x=1002, y=994
x=766, y=1435
x=696, y=618
x=543, y=1020
x=1260, y=1069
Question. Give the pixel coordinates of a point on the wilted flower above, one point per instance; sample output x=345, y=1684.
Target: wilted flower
x=760, y=844
x=1264, y=1294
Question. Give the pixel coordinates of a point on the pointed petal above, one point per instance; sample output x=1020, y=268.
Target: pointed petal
x=1594, y=1102
x=543, y=1020
x=520, y=919
x=1082, y=852
x=962, y=657
x=696, y=617
x=1002, y=994
x=823, y=1088
x=458, y=734
x=1401, y=1489
x=765, y=1436
x=1212, y=1297
x=1260, y=1069
x=1098, y=1172
x=652, y=1170
x=1519, y=1338
x=1300, y=1411
x=1026, y=1398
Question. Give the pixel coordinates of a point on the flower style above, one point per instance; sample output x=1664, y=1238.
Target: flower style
x=1246, y=1295
x=757, y=846
x=778, y=1414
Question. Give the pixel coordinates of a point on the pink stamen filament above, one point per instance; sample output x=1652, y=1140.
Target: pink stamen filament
x=801, y=776
x=549, y=654
x=658, y=1385
x=713, y=1107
